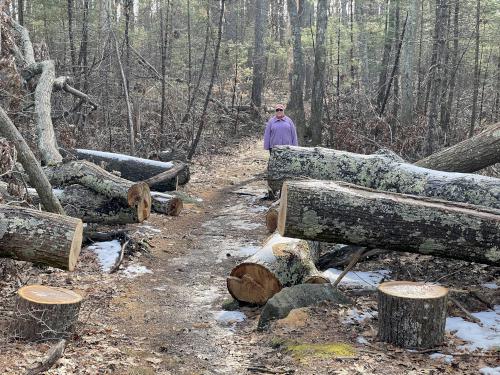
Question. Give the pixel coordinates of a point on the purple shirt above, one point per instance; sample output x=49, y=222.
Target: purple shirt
x=280, y=132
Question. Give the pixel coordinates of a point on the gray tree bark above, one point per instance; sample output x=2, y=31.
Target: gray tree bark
x=381, y=173
x=40, y=237
x=344, y=213
x=259, y=51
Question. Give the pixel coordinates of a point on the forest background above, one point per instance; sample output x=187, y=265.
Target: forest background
x=410, y=75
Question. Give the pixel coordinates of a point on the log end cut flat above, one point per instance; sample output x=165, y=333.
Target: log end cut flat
x=272, y=219
x=412, y=315
x=175, y=207
x=139, y=196
x=76, y=246
x=252, y=283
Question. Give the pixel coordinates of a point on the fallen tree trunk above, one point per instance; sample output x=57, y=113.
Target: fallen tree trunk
x=137, y=169
x=40, y=237
x=38, y=179
x=166, y=204
x=135, y=195
x=167, y=180
x=380, y=173
x=470, y=155
x=281, y=262
x=344, y=213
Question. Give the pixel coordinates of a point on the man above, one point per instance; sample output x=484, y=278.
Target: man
x=280, y=130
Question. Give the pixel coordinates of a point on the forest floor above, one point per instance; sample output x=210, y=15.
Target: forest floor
x=169, y=317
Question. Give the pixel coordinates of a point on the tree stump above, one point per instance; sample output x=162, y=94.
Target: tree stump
x=45, y=313
x=412, y=315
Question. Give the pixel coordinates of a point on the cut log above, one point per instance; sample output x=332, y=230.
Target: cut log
x=137, y=169
x=380, y=173
x=412, y=315
x=272, y=217
x=40, y=237
x=470, y=155
x=168, y=180
x=45, y=313
x=166, y=203
x=281, y=262
x=136, y=195
x=345, y=213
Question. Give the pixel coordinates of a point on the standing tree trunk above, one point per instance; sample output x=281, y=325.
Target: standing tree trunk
x=318, y=88
x=215, y=65
x=389, y=25
x=407, y=75
x=476, y=72
x=71, y=37
x=296, y=104
x=259, y=51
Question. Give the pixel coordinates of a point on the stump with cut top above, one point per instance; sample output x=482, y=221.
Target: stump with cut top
x=45, y=313
x=412, y=314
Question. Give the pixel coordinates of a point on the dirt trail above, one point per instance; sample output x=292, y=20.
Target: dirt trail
x=174, y=310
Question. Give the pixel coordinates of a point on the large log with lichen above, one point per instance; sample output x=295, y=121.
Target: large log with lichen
x=93, y=177
x=161, y=176
x=381, y=173
x=40, y=237
x=345, y=213
x=280, y=263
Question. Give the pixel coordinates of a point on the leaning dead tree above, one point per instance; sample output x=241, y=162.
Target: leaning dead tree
x=380, y=173
x=470, y=155
x=344, y=213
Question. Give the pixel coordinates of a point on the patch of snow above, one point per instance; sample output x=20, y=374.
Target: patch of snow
x=489, y=371
x=358, y=278
x=258, y=209
x=486, y=337
x=244, y=224
x=123, y=157
x=490, y=285
x=361, y=340
x=229, y=317
x=205, y=297
x=134, y=270
x=160, y=288
x=58, y=192
x=149, y=228
x=445, y=357
x=356, y=316
x=107, y=253
x=247, y=251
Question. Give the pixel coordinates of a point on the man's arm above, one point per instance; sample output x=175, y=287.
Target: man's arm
x=267, y=136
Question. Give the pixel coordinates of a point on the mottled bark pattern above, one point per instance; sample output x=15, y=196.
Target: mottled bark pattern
x=411, y=322
x=348, y=214
x=378, y=172
x=469, y=155
x=40, y=237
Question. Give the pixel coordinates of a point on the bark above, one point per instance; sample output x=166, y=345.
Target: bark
x=166, y=204
x=407, y=71
x=136, y=195
x=40, y=237
x=46, y=313
x=382, y=80
x=47, y=143
x=30, y=165
x=344, y=213
x=161, y=176
x=281, y=262
x=380, y=173
x=272, y=217
x=91, y=207
x=470, y=155
x=412, y=315
x=318, y=89
x=259, y=51
x=296, y=104
x=476, y=71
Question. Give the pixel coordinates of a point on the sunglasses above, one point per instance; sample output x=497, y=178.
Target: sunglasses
x=279, y=110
